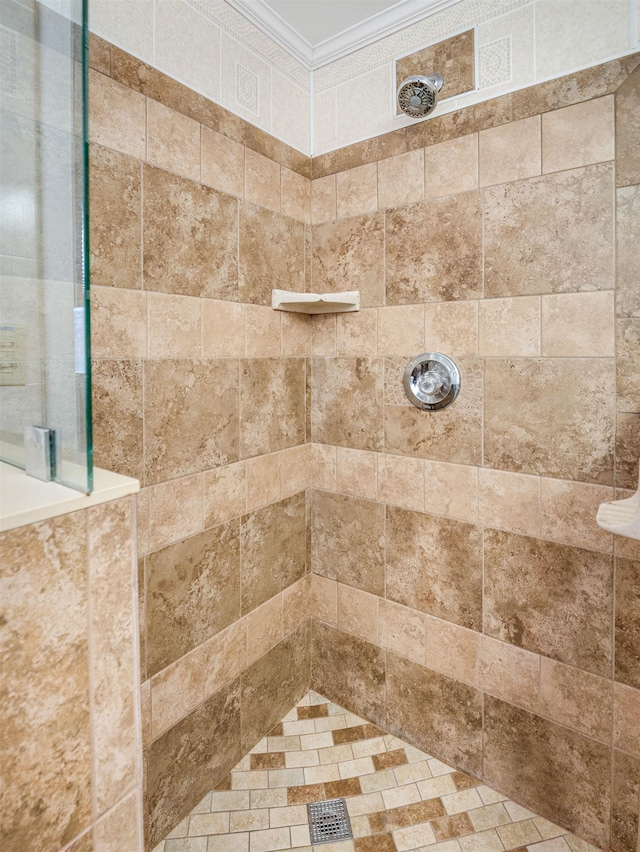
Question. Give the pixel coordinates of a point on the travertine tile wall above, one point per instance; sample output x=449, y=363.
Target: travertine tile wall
x=465, y=598
x=200, y=391
x=72, y=754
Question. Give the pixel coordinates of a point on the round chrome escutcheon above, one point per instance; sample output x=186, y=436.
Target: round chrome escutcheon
x=431, y=381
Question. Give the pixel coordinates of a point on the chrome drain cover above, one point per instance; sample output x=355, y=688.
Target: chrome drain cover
x=328, y=821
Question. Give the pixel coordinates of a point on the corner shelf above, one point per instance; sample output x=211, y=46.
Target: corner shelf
x=314, y=303
x=621, y=517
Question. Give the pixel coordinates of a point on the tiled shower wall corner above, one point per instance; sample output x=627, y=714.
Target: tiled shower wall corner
x=72, y=762
x=203, y=393
x=465, y=599
x=200, y=391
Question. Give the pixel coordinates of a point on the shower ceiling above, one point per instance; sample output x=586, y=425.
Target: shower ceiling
x=319, y=31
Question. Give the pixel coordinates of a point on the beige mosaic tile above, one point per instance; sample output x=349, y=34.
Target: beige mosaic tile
x=398, y=797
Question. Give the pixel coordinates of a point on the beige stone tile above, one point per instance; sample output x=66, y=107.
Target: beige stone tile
x=111, y=655
x=224, y=493
x=451, y=490
x=296, y=195
x=357, y=191
x=575, y=698
x=142, y=520
x=193, y=592
x=323, y=334
x=176, y=691
x=173, y=140
x=175, y=326
x=509, y=327
x=118, y=323
x=626, y=718
x=451, y=327
x=272, y=404
x=358, y=612
x=356, y=333
x=518, y=834
x=452, y=650
x=401, y=481
x=119, y=828
x=627, y=126
x=324, y=599
x=190, y=237
x=400, y=330
x=175, y=510
x=324, y=467
x=115, y=229
x=509, y=673
x=627, y=360
x=434, y=564
x=145, y=712
x=263, y=337
x=224, y=656
x=271, y=250
x=627, y=622
x=222, y=329
x=561, y=606
x=578, y=325
x=297, y=469
x=296, y=334
x=323, y=199
x=117, y=116
x=118, y=416
x=401, y=179
x=550, y=234
x=262, y=180
x=578, y=135
x=551, y=417
x=264, y=628
x=510, y=152
x=401, y=630
x=273, y=545
x=569, y=511
x=356, y=472
x=509, y=501
x=212, y=823
x=190, y=416
x=222, y=162
x=349, y=255
x=264, y=480
x=445, y=267
x=451, y=167
x=296, y=605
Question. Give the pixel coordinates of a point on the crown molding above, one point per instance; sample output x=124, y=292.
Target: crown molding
x=390, y=20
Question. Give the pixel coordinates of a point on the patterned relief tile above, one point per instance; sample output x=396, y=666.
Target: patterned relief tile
x=550, y=234
x=433, y=250
x=193, y=592
x=190, y=237
x=561, y=606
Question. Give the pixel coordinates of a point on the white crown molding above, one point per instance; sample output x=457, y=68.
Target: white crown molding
x=388, y=21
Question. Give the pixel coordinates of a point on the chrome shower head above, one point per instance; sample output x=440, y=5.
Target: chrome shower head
x=418, y=95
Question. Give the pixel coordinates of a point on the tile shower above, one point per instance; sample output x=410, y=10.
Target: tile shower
x=300, y=525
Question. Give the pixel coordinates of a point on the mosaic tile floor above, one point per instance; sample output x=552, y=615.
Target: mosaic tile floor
x=398, y=797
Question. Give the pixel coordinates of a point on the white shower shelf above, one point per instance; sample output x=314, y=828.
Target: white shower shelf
x=621, y=517
x=315, y=303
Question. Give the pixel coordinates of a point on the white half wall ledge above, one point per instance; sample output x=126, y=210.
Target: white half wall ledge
x=26, y=500
x=315, y=303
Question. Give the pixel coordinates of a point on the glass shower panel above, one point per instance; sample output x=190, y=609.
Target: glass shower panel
x=44, y=321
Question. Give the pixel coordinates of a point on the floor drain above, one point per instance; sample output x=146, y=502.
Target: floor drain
x=328, y=821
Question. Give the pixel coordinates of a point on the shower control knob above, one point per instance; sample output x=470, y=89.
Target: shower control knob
x=431, y=381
